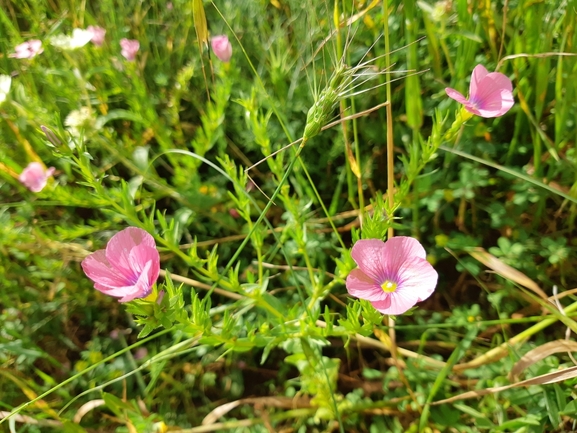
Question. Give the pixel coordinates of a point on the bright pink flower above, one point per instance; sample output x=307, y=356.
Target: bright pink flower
x=129, y=48
x=490, y=93
x=127, y=268
x=97, y=35
x=27, y=50
x=35, y=176
x=221, y=47
x=392, y=275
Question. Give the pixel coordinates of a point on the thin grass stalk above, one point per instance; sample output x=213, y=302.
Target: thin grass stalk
x=389, y=117
x=390, y=189
x=348, y=151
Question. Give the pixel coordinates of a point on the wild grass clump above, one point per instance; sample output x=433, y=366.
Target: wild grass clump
x=272, y=217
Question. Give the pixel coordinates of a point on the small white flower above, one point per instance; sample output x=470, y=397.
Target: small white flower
x=78, y=120
x=78, y=39
x=5, y=82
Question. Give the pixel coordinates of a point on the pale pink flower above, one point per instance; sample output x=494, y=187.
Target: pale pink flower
x=392, y=275
x=140, y=353
x=129, y=48
x=490, y=93
x=27, y=50
x=35, y=176
x=127, y=268
x=97, y=35
x=221, y=47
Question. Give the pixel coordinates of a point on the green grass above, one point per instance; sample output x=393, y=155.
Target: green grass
x=256, y=310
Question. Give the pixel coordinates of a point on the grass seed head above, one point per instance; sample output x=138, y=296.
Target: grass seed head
x=321, y=111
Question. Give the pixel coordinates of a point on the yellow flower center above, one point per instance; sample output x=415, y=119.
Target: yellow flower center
x=389, y=286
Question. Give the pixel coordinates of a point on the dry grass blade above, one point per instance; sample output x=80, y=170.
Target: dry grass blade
x=200, y=23
x=556, y=376
x=537, y=56
x=540, y=353
x=31, y=421
x=278, y=402
x=507, y=271
x=87, y=407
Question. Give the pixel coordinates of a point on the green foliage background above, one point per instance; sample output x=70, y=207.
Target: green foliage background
x=133, y=159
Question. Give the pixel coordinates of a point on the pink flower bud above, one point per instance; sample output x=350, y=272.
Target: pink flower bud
x=34, y=176
x=221, y=47
x=129, y=48
x=97, y=35
x=27, y=50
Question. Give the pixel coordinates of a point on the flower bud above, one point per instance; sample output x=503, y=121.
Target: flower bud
x=221, y=47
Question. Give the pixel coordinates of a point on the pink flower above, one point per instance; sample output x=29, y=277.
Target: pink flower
x=392, y=275
x=140, y=353
x=221, y=47
x=27, y=50
x=129, y=48
x=35, y=176
x=97, y=35
x=127, y=268
x=490, y=94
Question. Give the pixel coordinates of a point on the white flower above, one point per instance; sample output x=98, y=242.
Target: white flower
x=5, y=82
x=78, y=39
x=78, y=120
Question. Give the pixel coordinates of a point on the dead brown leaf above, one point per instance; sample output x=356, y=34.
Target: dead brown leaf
x=540, y=353
x=507, y=271
x=278, y=402
x=544, y=379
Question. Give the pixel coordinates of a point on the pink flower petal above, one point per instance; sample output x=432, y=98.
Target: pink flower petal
x=494, y=97
x=402, y=261
x=500, y=81
x=129, y=266
x=384, y=305
x=129, y=48
x=140, y=289
x=98, y=34
x=121, y=244
x=478, y=74
x=490, y=94
x=418, y=277
x=457, y=96
x=34, y=176
x=98, y=269
x=397, y=250
x=398, y=303
x=221, y=48
x=368, y=255
x=144, y=255
x=362, y=286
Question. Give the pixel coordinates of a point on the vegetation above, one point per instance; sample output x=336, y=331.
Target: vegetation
x=250, y=327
